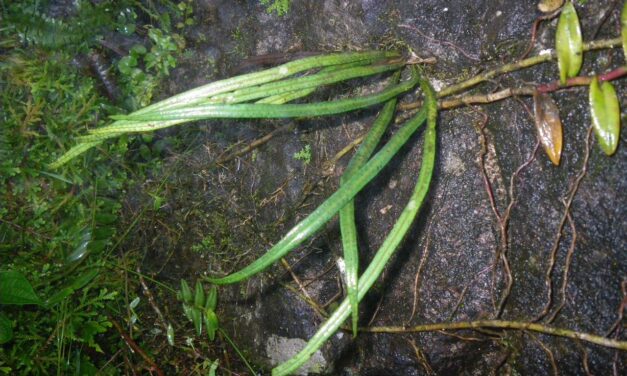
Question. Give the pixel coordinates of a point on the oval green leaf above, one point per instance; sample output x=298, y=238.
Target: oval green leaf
x=212, y=299
x=548, y=125
x=199, y=295
x=605, y=113
x=186, y=292
x=196, y=319
x=211, y=322
x=568, y=43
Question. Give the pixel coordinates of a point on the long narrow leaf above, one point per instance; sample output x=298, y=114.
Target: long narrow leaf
x=255, y=111
x=201, y=93
x=273, y=74
x=307, y=82
x=296, y=94
x=374, y=270
x=348, y=227
x=138, y=122
x=330, y=207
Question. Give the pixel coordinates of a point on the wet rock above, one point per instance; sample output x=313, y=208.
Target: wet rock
x=456, y=238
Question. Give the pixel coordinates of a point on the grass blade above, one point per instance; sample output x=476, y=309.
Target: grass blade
x=387, y=248
x=348, y=227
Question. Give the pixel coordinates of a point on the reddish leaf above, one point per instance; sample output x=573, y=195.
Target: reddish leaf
x=549, y=125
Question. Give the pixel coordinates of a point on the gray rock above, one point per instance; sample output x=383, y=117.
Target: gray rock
x=258, y=196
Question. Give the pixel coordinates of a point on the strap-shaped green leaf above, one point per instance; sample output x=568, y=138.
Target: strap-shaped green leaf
x=284, y=86
x=390, y=244
x=605, y=113
x=330, y=207
x=348, y=227
x=203, y=93
x=150, y=121
x=273, y=74
x=568, y=43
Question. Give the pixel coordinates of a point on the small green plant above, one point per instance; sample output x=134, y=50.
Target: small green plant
x=187, y=14
x=304, y=155
x=140, y=83
x=58, y=227
x=160, y=58
x=200, y=307
x=281, y=7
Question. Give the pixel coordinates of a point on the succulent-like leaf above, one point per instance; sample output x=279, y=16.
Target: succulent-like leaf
x=211, y=322
x=605, y=113
x=212, y=299
x=199, y=295
x=568, y=43
x=186, y=292
x=548, y=125
x=623, y=24
x=196, y=319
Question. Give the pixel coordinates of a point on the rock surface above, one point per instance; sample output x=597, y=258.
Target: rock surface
x=240, y=208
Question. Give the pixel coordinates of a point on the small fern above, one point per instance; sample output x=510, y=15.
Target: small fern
x=34, y=27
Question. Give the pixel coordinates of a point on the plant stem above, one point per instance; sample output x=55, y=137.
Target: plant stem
x=503, y=324
x=237, y=350
x=447, y=104
x=544, y=56
x=507, y=68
